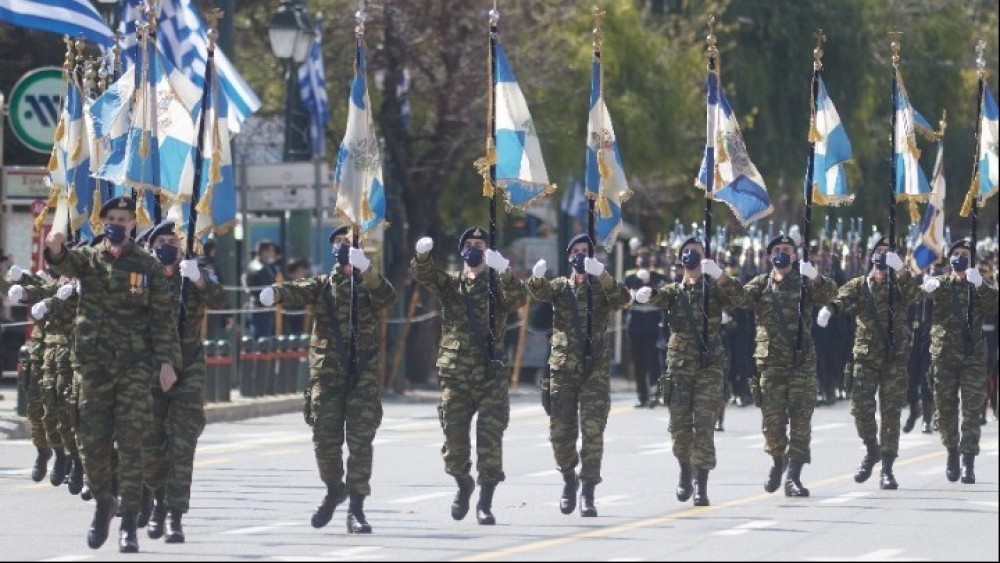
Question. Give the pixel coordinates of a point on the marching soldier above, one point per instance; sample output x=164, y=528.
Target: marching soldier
x=579, y=385
x=918, y=392
x=117, y=350
x=787, y=386
x=879, y=365
x=473, y=379
x=345, y=398
x=692, y=383
x=958, y=364
x=644, y=327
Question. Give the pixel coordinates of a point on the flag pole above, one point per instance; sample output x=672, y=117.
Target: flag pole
x=491, y=281
x=598, y=43
x=894, y=45
x=972, y=198
x=359, y=45
x=713, y=64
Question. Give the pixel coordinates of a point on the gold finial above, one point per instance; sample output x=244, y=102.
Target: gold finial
x=213, y=16
x=894, y=45
x=90, y=74
x=151, y=17
x=818, y=51
x=599, y=14
x=79, y=45
x=68, y=60
x=981, y=57
x=359, y=17
x=713, y=47
x=494, y=15
x=116, y=55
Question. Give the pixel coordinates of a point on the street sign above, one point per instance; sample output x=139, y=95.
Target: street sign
x=24, y=183
x=35, y=105
x=288, y=186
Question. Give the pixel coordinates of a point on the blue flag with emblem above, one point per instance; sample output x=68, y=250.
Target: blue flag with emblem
x=69, y=165
x=910, y=182
x=605, y=176
x=833, y=149
x=988, y=138
x=930, y=243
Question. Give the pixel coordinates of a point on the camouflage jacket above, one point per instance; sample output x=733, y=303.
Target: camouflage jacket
x=61, y=318
x=37, y=337
x=569, y=310
x=126, y=308
x=464, y=302
x=329, y=297
x=950, y=332
x=776, y=304
x=869, y=302
x=197, y=301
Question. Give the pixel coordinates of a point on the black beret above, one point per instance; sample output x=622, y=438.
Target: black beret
x=120, y=202
x=960, y=243
x=781, y=239
x=883, y=241
x=582, y=237
x=164, y=228
x=341, y=230
x=691, y=240
x=472, y=233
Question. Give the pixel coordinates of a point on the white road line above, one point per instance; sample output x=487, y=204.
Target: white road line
x=611, y=500
x=935, y=471
x=830, y=426
x=257, y=529
x=353, y=552
x=846, y=497
x=419, y=498
x=16, y=472
x=746, y=527
x=991, y=503
x=546, y=473
x=656, y=452
x=70, y=558
x=877, y=555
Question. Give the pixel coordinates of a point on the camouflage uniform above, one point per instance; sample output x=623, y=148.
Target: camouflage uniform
x=580, y=389
x=124, y=333
x=36, y=353
x=339, y=407
x=468, y=385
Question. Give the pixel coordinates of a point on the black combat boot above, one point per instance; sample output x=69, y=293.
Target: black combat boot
x=775, y=473
x=356, y=522
x=59, y=469
x=864, y=470
x=684, y=487
x=911, y=420
x=460, y=506
x=969, y=469
x=157, y=521
x=145, y=507
x=952, y=469
x=700, y=487
x=484, y=507
x=41, y=465
x=175, y=531
x=587, y=508
x=888, y=481
x=128, y=538
x=793, y=484
x=928, y=416
x=103, y=513
x=324, y=512
x=567, y=502
x=75, y=484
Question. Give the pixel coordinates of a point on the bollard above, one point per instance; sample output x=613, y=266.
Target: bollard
x=260, y=373
x=302, y=373
x=224, y=356
x=248, y=363
x=291, y=364
x=23, y=379
x=280, y=363
x=211, y=370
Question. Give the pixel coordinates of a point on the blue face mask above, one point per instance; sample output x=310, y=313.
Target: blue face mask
x=577, y=260
x=115, y=233
x=959, y=263
x=878, y=259
x=167, y=254
x=472, y=256
x=343, y=253
x=690, y=259
x=781, y=260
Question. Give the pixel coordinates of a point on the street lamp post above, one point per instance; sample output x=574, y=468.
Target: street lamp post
x=291, y=34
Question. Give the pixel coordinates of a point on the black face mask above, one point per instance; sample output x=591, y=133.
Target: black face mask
x=167, y=254
x=960, y=263
x=878, y=259
x=115, y=233
x=690, y=259
x=472, y=256
x=578, y=262
x=678, y=278
x=781, y=260
x=343, y=253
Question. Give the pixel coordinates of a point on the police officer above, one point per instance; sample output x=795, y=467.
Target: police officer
x=644, y=327
x=125, y=334
x=579, y=384
x=345, y=401
x=472, y=377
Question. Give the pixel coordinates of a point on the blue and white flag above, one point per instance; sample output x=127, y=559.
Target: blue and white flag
x=69, y=166
x=574, y=201
x=988, y=138
x=832, y=150
x=605, y=177
x=182, y=36
x=312, y=88
x=65, y=17
x=520, y=170
x=358, y=176
x=930, y=244
x=910, y=182
x=726, y=170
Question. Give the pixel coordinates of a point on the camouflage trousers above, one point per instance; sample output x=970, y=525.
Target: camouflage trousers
x=788, y=398
x=462, y=397
x=581, y=401
x=959, y=386
x=694, y=399
x=59, y=398
x=114, y=410
x=886, y=382
x=341, y=413
x=36, y=408
x=178, y=418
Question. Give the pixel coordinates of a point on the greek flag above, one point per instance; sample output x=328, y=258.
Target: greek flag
x=930, y=245
x=69, y=165
x=358, y=176
x=832, y=150
x=65, y=17
x=988, y=138
x=605, y=176
x=910, y=181
x=312, y=87
x=726, y=170
x=520, y=170
x=182, y=37
x=574, y=202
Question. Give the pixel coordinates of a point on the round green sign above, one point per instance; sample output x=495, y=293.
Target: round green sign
x=35, y=106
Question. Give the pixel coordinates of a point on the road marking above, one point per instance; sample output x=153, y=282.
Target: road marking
x=546, y=473
x=657, y=451
x=70, y=558
x=747, y=527
x=935, y=471
x=829, y=426
x=877, y=555
x=281, y=452
x=348, y=554
x=846, y=497
x=257, y=529
x=353, y=552
x=220, y=461
x=16, y=472
x=991, y=503
x=420, y=498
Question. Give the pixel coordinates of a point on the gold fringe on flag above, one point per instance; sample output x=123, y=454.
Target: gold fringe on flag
x=483, y=165
x=720, y=149
x=970, y=196
x=60, y=131
x=914, y=211
x=603, y=206
x=53, y=198
x=141, y=217
x=366, y=207
x=911, y=145
x=95, y=211
x=814, y=136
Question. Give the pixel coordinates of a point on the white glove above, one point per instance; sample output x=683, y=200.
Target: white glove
x=643, y=275
x=15, y=293
x=726, y=319
x=267, y=296
x=496, y=261
x=358, y=260
x=808, y=270
x=189, y=269
x=14, y=273
x=44, y=275
x=974, y=277
x=65, y=291
x=931, y=285
x=593, y=266
x=425, y=245
x=539, y=269
x=894, y=261
x=643, y=294
x=823, y=318
x=711, y=269
x=40, y=309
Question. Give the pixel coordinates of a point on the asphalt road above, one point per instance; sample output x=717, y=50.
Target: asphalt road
x=256, y=485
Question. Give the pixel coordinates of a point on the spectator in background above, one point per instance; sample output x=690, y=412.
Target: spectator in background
x=294, y=318
x=262, y=272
